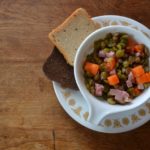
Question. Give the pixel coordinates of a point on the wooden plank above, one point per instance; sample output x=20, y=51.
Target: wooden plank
x=30, y=116
x=23, y=139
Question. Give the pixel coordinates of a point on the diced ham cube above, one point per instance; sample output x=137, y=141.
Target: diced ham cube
x=102, y=54
x=110, y=54
x=129, y=83
x=112, y=72
x=120, y=96
x=140, y=86
x=99, y=89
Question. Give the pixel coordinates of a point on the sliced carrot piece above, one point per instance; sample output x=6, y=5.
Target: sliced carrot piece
x=131, y=44
x=91, y=68
x=110, y=64
x=142, y=79
x=113, y=79
x=148, y=76
x=138, y=71
x=136, y=91
x=139, y=48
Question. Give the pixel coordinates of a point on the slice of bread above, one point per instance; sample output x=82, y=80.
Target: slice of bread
x=68, y=36
x=56, y=69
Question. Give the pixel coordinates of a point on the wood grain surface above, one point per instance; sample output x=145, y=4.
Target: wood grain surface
x=30, y=115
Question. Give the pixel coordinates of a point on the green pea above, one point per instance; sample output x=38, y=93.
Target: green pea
x=87, y=86
x=125, y=64
x=120, y=75
x=125, y=41
x=146, y=69
x=115, y=38
x=106, y=88
x=123, y=77
x=106, y=41
x=119, y=46
x=91, y=82
x=109, y=35
x=120, y=53
x=102, y=66
x=145, y=62
x=96, y=59
x=104, y=75
x=117, y=65
x=88, y=74
x=97, y=77
x=90, y=58
x=130, y=90
x=125, y=36
x=146, y=51
x=111, y=44
x=123, y=45
x=146, y=85
x=111, y=101
x=116, y=34
x=97, y=45
x=114, y=48
x=106, y=81
x=104, y=96
x=106, y=50
x=92, y=90
x=137, y=59
x=103, y=45
x=119, y=71
x=131, y=59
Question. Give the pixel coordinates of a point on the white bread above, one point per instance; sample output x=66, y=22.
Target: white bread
x=68, y=36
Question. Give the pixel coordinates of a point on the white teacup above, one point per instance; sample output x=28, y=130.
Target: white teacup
x=98, y=109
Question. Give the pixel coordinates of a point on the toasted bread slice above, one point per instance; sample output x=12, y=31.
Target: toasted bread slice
x=56, y=69
x=68, y=36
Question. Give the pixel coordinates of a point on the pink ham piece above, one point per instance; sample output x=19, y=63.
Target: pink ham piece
x=105, y=59
x=98, y=89
x=110, y=54
x=140, y=86
x=123, y=70
x=112, y=72
x=137, y=54
x=102, y=54
x=130, y=76
x=120, y=60
x=120, y=96
x=130, y=80
x=129, y=83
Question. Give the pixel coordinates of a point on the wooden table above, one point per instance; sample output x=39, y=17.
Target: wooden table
x=30, y=116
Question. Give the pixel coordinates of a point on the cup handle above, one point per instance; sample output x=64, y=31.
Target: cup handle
x=97, y=114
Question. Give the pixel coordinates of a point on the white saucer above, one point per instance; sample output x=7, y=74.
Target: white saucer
x=75, y=105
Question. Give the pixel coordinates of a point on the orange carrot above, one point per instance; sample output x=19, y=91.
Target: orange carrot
x=136, y=91
x=148, y=76
x=139, y=48
x=110, y=64
x=113, y=79
x=131, y=44
x=91, y=68
x=145, y=78
x=138, y=71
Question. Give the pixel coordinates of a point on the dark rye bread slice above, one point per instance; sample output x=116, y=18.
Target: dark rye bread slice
x=57, y=69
